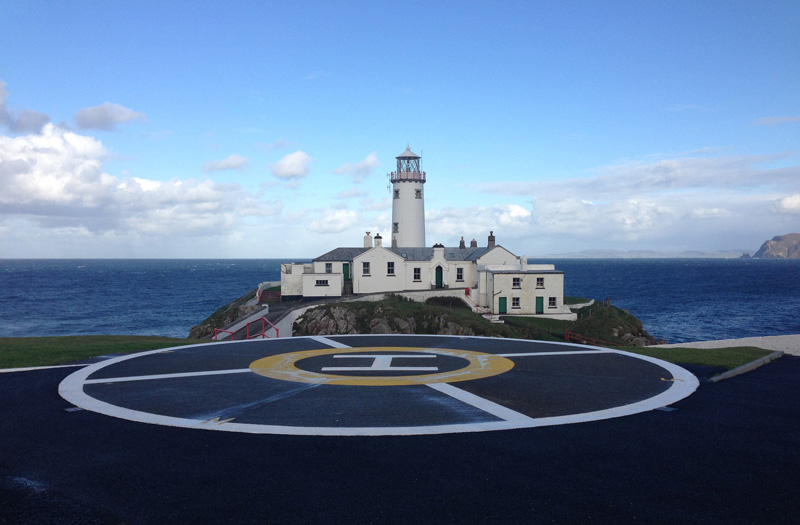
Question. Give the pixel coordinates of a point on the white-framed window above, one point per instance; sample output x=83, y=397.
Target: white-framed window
x=396, y=194
x=540, y=282
x=516, y=282
x=390, y=268
x=515, y=302
x=417, y=274
x=551, y=302
x=460, y=274
x=365, y=268
x=322, y=282
x=328, y=267
x=417, y=194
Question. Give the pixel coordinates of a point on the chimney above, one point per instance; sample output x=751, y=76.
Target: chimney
x=394, y=241
x=367, y=241
x=378, y=240
x=491, y=240
x=461, y=244
x=473, y=243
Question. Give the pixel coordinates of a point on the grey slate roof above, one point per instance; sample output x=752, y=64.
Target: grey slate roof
x=341, y=254
x=409, y=254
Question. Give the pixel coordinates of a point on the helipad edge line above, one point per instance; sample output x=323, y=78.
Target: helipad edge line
x=537, y=354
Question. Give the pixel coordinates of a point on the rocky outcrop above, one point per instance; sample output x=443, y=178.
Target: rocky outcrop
x=225, y=316
x=780, y=247
x=335, y=319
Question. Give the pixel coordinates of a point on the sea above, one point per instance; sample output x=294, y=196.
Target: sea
x=678, y=300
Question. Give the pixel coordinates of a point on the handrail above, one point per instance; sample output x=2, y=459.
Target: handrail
x=262, y=334
x=585, y=340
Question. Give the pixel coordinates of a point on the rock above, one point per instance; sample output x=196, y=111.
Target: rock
x=405, y=326
x=780, y=247
x=380, y=325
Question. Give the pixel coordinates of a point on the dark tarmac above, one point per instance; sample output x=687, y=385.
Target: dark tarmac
x=729, y=452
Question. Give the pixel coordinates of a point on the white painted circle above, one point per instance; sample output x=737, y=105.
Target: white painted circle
x=682, y=384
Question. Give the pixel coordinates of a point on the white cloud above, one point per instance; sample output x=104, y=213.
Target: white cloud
x=709, y=213
x=789, y=204
x=292, y=166
x=25, y=121
x=352, y=193
x=233, y=162
x=271, y=146
x=55, y=182
x=774, y=121
x=333, y=221
x=359, y=170
x=106, y=116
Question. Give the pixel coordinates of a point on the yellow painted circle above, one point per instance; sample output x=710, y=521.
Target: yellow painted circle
x=282, y=366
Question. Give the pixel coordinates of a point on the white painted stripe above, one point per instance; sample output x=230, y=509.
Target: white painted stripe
x=166, y=376
x=543, y=354
x=328, y=342
x=32, y=368
x=482, y=404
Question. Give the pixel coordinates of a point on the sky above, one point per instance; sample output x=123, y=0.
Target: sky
x=154, y=129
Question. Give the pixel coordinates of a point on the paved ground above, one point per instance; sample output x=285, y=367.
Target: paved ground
x=785, y=343
x=728, y=453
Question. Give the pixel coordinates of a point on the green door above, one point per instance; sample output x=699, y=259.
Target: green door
x=540, y=305
x=346, y=270
x=438, y=277
x=503, y=306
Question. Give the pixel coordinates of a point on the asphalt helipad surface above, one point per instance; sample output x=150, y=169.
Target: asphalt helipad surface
x=726, y=453
x=376, y=385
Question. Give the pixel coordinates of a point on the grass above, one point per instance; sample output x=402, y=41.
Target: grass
x=729, y=358
x=20, y=352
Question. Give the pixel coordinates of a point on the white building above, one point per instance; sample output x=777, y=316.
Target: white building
x=493, y=279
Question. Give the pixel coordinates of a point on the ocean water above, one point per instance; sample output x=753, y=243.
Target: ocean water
x=678, y=300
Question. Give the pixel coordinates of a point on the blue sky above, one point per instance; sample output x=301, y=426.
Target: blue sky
x=266, y=129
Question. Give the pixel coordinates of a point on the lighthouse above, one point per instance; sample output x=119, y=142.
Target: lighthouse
x=408, y=202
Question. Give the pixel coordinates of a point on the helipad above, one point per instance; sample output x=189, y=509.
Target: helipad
x=376, y=385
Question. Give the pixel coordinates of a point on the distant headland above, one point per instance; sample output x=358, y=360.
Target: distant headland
x=780, y=247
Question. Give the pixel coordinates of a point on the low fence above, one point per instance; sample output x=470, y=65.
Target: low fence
x=262, y=333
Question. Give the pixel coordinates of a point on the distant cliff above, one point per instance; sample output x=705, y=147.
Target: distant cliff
x=780, y=247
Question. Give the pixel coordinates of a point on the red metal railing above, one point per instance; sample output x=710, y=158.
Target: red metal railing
x=577, y=338
x=262, y=334
x=408, y=175
x=269, y=297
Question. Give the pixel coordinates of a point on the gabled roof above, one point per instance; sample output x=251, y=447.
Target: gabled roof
x=341, y=254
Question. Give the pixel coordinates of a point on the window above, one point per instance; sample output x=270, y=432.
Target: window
x=365, y=268
x=322, y=282
x=460, y=274
x=395, y=227
x=516, y=282
x=396, y=194
x=328, y=267
x=390, y=268
x=417, y=194
x=551, y=302
x=417, y=274
x=540, y=282
x=515, y=302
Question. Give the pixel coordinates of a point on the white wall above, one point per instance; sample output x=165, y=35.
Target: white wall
x=332, y=289
x=378, y=279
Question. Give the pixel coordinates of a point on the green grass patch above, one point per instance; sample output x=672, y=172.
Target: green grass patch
x=575, y=300
x=21, y=352
x=729, y=358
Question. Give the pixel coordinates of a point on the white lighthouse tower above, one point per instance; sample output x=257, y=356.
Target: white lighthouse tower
x=408, y=203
